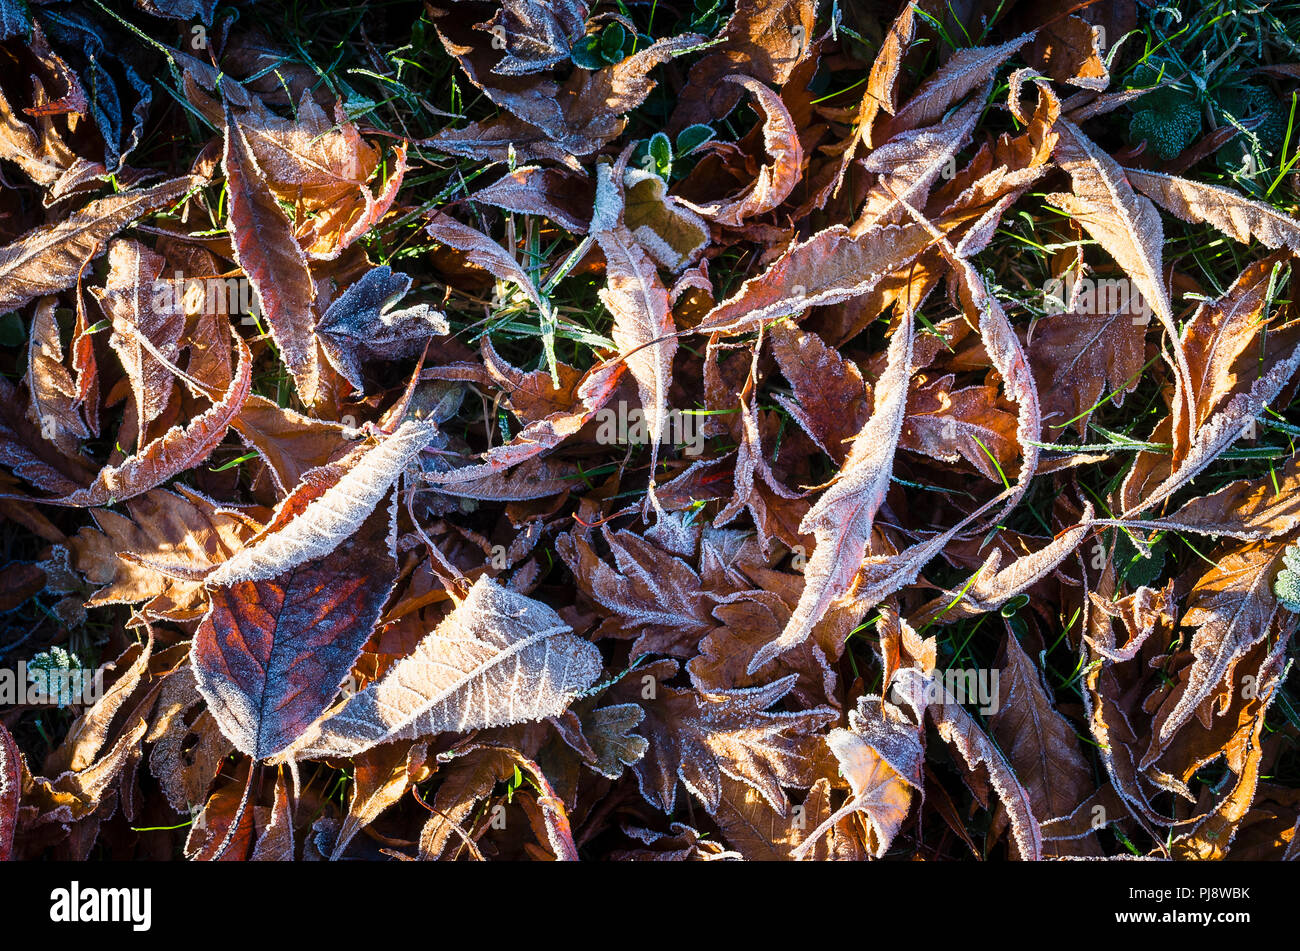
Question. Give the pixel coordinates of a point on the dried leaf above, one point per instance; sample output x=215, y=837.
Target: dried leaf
x=643, y=323
x=881, y=756
x=328, y=519
x=49, y=259
x=1239, y=218
x=265, y=247
x=697, y=738
x=499, y=658
x=178, y=449
x=842, y=519
x=270, y=654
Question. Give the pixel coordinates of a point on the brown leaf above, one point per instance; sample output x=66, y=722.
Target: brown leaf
x=1040, y=744
x=188, y=748
x=911, y=162
x=289, y=443
x=880, y=755
x=650, y=595
x=1123, y=222
x=133, y=303
x=1249, y=509
x=270, y=654
x=1212, y=835
x=1230, y=607
x=1076, y=357
x=575, y=118
x=966, y=423
x=829, y=267
x=842, y=518
x=1239, y=218
x=163, y=528
x=776, y=180
x=265, y=247
x=1070, y=51
x=563, y=196
x=765, y=39
x=833, y=400
x=881, y=86
x=965, y=70
x=979, y=752
x=11, y=787
x=178, y=449
x=698, y=738
x=55, y=395
x=537, y=34
x=50, y=258
x=482, y=251
x=1234, y=381
x=275, y=842
x=992, y=586
x=383, y=774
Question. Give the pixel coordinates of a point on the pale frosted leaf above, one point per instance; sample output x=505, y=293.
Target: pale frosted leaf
x=1240, y=218
x=830, y=267
x=482, y=251
x=499, y=658
x=992, y=586
x=361, y=323
x=1123, y=222
x=643, y=320
x=911, y=162
x=882, y=756
x=1008, y=355
x=331, y=517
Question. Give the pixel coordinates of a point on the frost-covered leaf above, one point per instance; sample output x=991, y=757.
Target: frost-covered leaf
x=304, y=530
x=881, y=756
x=697, y=738
x=362, y=323
x=842, y=518
x=271, y=653
x=50, y=258
x=178, y=449
x=1238, y=217
x=634, y=295
x=265, y=247
x=499, y=658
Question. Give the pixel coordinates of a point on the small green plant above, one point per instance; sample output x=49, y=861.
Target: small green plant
x=1287, y=585
x=605, y=47
x=58, y=675
x=657, y=154
x=1196, y=94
